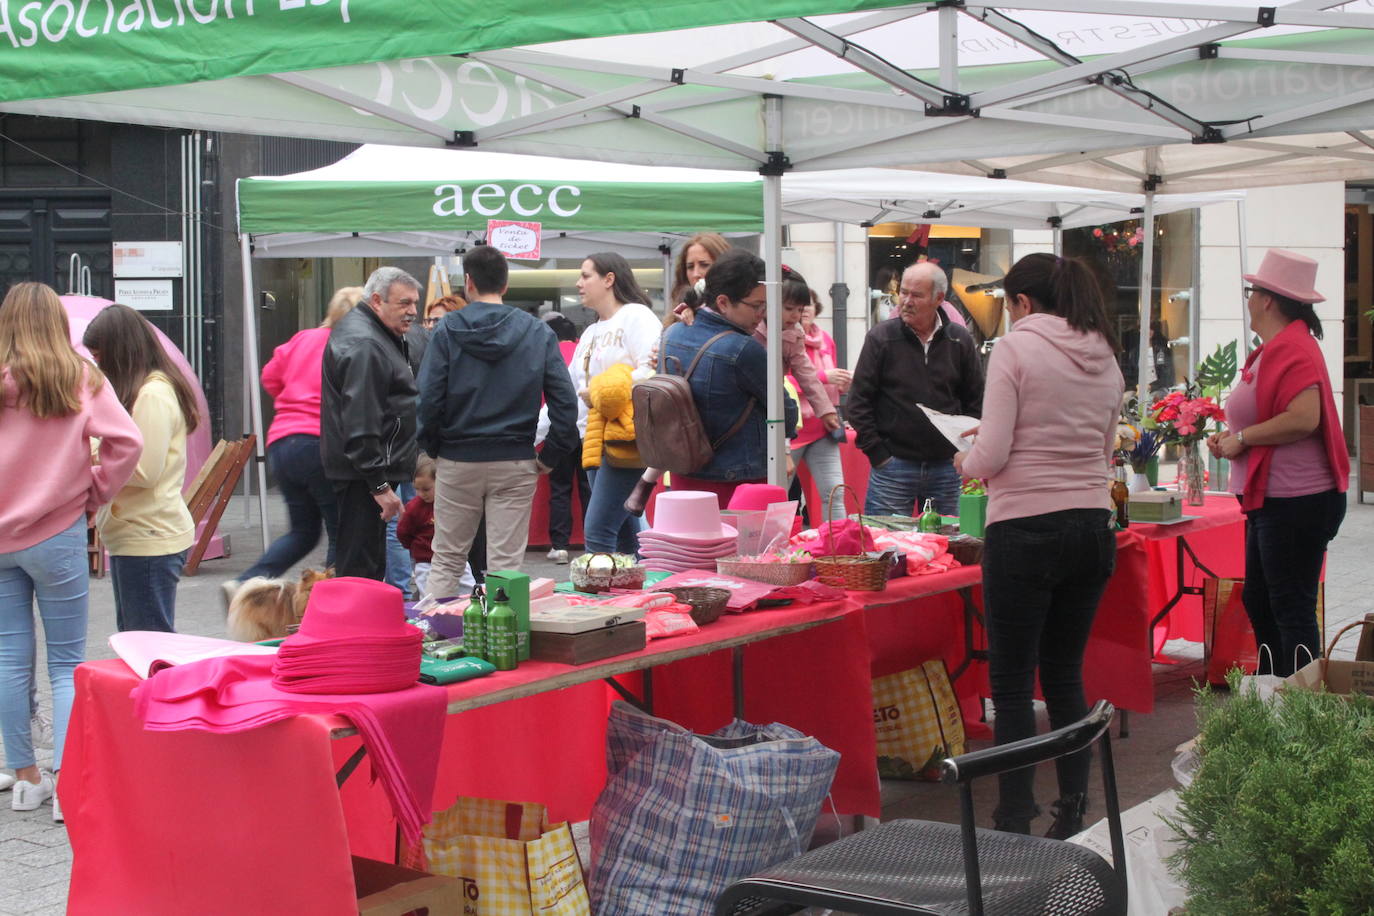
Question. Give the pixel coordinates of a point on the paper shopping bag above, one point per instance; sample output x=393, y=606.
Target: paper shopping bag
x=1228, y=639
x=511, y=861
x=918, y=722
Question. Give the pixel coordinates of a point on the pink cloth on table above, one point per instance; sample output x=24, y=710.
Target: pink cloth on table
x=401, y=730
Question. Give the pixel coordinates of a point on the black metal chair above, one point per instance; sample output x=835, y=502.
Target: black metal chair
x=910, y=866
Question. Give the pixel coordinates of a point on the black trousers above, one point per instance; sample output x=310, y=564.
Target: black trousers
x=560, y=498
x=1043, y=577
x=361, y=546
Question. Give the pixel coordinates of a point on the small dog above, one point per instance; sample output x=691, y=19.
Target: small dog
x=263, y=608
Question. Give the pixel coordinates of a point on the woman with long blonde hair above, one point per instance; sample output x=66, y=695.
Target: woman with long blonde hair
x=53, y=404
x=147, y=527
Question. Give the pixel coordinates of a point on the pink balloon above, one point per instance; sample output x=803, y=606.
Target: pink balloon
x=81, y=310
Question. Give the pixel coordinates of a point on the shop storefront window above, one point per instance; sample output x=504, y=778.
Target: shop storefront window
x=1114, y=253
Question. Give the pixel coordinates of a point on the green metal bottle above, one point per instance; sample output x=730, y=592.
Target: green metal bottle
x=475, y=626
x=501, y=633
x=930, y=520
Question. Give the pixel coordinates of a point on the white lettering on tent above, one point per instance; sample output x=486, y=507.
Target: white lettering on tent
x=493, y=192
x=81, y=19
x=454, y=200
x=132, y=23
x=29, y=24
x=477, y=74
x=61, y=33
x=152, y=17
x=200, y=17
x=553, y=200
x=25, y=24
x=515, y=199
x=444, y=100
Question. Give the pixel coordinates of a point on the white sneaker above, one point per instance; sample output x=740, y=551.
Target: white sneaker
x=28, y=795
x=228, y=589
x=558, y=556
x=6, y=781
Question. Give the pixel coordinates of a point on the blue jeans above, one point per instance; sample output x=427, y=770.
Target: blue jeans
x=1285, y=543
x=822, y=459
x=607, y=527
x=397, y=557
x=296, y=465
x=1043, y=577
x=54, y=572
x=901, y=487
x=145, y=591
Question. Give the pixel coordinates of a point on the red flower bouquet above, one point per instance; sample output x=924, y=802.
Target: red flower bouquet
x=1181, y=416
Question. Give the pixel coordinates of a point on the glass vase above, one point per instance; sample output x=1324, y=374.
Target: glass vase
x=1192, y=472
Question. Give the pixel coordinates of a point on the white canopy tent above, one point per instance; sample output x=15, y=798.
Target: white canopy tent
x=774, y=86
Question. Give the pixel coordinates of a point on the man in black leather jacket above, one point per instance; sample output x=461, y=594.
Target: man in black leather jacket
x=367, y=418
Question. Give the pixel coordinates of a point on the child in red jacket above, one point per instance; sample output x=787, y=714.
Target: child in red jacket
x=415, y=530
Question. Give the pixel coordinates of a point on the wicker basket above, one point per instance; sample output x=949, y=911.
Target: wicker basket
x=707, y=603
x=772, y=573
x=859, y=573
x=589, y=580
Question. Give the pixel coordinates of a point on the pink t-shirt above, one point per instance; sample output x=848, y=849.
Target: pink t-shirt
x=1297, y=469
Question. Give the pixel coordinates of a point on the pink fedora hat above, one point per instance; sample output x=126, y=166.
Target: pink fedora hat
x=1288, y=274
x=689, y=515
x=352, y=608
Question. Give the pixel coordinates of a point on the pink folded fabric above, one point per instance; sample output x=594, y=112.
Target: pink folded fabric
x=402, y=730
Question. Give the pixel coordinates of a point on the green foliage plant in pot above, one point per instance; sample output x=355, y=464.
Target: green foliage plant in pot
x=1279, y=818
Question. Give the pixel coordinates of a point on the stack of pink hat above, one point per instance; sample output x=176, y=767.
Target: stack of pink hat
x=353, y=639
x=687, y=533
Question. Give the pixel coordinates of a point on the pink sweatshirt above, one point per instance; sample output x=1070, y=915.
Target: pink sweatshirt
x=292, y=377
x=46, y=464
x=815, y=401
x=1050, y=412
x=820, y=350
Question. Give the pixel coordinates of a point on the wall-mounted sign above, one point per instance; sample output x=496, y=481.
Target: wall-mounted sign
x=515, y=239
x=147, y=259
x=145, y=295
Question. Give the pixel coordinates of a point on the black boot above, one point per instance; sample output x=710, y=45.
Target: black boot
x=1019, y=825
x=1068, y=816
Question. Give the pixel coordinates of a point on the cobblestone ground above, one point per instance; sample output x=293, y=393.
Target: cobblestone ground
x=35, y=858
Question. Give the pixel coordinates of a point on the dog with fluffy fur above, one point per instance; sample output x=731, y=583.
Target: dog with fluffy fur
x=263, y=608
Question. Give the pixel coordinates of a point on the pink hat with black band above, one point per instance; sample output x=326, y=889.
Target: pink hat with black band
x=1289, y=274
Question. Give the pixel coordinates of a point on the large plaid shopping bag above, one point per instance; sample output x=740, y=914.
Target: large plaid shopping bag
x=683, y=815
x=917, y=720
x=1228, y=639
x=511, y=861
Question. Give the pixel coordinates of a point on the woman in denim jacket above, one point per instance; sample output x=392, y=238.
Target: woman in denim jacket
x=1050, y=412
x=732, y=378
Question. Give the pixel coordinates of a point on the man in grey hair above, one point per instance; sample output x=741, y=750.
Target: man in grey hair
x=367, y=418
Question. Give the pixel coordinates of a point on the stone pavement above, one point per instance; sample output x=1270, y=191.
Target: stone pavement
x=35, y=858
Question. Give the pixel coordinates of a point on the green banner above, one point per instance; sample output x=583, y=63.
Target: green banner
x=570, y=206
x=54, y=48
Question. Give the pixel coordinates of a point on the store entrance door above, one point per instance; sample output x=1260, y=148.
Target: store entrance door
x=41, y=230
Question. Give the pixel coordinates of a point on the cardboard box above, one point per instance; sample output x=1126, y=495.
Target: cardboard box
x=517, y=586
x=1155, y=506
x=591, y=646
x=1336, y=675
x=390, y=890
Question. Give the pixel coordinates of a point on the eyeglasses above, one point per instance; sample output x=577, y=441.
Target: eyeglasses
x=756, y=306
x=430, y=322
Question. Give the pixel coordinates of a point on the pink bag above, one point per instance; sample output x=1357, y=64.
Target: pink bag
x=843, y=538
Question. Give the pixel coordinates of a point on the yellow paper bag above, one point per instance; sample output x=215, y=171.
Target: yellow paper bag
x=918, y=721
x=511, y=861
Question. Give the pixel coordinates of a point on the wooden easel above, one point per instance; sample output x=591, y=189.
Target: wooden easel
x=211, y=490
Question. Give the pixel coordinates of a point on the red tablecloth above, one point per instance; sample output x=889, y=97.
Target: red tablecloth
x=253, y=823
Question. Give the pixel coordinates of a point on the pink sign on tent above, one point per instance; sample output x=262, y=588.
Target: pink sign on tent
x=81, y=310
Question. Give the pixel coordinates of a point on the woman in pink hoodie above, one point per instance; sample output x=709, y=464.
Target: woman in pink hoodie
x=53, y=404
x=1050, y=412
x=292, y=378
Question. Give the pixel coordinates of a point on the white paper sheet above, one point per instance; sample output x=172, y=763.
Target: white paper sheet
x=953, y=426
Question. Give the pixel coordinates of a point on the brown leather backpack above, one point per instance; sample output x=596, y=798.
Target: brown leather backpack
x=668, y=428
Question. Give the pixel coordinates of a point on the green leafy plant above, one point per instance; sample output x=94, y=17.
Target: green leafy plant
x=1279, y=818
x=1216, y=373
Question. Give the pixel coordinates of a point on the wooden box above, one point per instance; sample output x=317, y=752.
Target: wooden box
x=593, y=645
x=1155, y=506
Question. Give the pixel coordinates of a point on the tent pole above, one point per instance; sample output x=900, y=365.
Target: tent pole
x=839, y=301
x=1147, y=276
x=250, y=369
x=776, y=429
x=1058, y=236
x=949, y=48
x=1247, y=335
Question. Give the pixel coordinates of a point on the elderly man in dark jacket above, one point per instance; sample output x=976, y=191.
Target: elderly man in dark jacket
x=367, y=418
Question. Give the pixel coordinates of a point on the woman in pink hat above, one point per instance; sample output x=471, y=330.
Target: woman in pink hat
x=1290, y=466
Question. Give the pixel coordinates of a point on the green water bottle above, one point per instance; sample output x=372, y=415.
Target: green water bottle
x=930, y=520
x=501, y=633
x=475, y=625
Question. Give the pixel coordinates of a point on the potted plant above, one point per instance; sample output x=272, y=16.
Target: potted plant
x=1213, y=376
x=1279, y=817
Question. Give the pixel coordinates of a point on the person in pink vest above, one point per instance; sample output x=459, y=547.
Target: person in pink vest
x=53, y=405
x=1289, y=461
x=292, y=378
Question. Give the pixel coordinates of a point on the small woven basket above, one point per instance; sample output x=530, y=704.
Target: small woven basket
x=772, y=573
x=589, y=580
x=859, y=573
x=707, y=603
